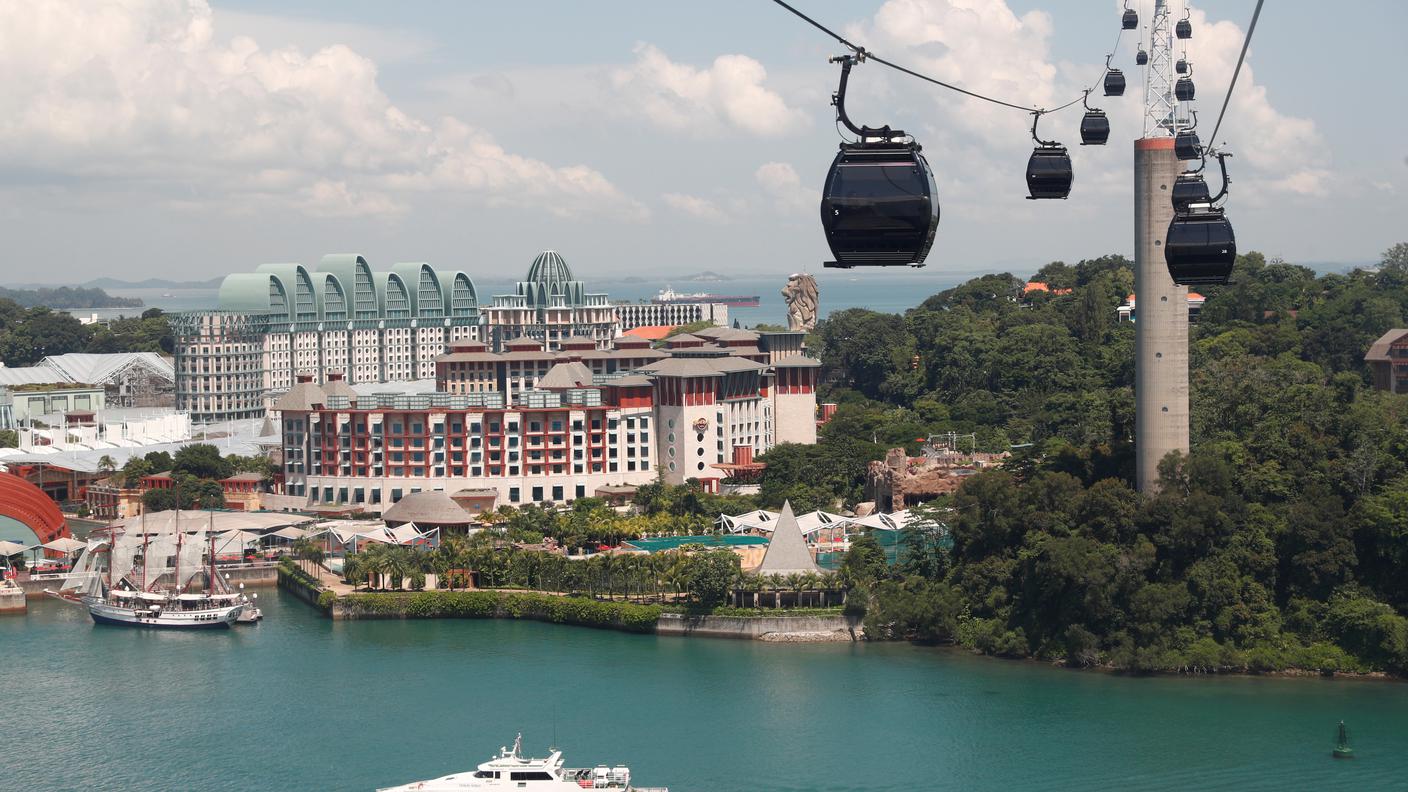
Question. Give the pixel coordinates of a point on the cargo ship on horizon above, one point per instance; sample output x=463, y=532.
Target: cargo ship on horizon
x=669, y=296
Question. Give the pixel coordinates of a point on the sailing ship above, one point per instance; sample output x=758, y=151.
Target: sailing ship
x=141, y=579
x=512, y=770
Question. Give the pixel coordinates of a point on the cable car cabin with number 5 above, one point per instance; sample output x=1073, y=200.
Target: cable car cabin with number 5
x=879, y=206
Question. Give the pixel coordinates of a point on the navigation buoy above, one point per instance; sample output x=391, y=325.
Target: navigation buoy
x=1342, y=749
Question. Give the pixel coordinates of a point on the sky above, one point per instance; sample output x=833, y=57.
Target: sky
x=188, y=139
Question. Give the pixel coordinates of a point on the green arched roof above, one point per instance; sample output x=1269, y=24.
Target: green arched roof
x=253, y=292
x=291, y=291
x=355, y=275
x=417, y=275
x=390, y=289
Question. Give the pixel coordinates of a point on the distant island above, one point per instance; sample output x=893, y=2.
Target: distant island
x=707, y=276
x=68, y=298
x=153, y=283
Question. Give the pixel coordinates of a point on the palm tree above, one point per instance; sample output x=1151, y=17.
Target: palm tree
x=752, y=583
x=400, y=563
x=795, y=582
x=106, y=464
x=352, y=568
x=810, y=582
x=374, y=563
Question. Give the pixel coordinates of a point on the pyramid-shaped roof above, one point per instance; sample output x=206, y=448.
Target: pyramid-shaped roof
x=571, y=374
x=787, y=552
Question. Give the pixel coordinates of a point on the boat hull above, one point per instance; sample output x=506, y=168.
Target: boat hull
x=208, y=619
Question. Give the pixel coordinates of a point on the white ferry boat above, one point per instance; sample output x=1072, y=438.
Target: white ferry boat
x=512, y=770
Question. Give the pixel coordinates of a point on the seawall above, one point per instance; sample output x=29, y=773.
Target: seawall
x=798, y=629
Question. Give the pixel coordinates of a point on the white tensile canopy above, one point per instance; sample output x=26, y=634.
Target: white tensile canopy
x=811, y=522
x=410, y=533
x=382, y=535
x=290, y=533
x=885, y=522
x=11, y=548
x=64, y=545
x=235, y=540
x=759, y=519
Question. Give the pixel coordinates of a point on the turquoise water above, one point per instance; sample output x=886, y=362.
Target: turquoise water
x=709, y=540
x=301, y=703
x=12, y=530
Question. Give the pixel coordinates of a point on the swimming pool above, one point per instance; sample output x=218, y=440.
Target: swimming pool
x=661, y=543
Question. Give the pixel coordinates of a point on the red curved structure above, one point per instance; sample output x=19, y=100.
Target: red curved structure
x=27, y=503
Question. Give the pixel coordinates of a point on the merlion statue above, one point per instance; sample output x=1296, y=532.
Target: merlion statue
x=802, y=298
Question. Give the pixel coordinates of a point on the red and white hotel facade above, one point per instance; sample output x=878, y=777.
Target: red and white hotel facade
x=529, y=425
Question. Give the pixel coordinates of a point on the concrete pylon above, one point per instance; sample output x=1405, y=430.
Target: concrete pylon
x=1161, y=317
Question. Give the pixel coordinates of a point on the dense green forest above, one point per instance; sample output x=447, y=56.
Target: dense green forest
x=28, y=335
x=1280, y=542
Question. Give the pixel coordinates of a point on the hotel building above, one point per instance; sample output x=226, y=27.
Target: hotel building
x=285, y=321
x=534, y=425
x=651, y=314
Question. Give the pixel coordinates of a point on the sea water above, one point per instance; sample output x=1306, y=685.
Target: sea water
x=302, y=703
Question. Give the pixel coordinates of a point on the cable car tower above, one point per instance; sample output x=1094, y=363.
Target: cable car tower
x=1159, y=104
x=1161, y=306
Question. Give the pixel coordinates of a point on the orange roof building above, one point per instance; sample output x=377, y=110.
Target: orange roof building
x=1038, y=286
x=650, y=332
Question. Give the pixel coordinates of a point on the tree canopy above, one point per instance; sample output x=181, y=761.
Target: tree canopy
x=1279, y=541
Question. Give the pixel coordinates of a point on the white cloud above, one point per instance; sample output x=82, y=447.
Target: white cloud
x=1285, y=152
x=784, y=187
x=694, y=206
x=141, y=92
x=727, y=96
x=982, y=45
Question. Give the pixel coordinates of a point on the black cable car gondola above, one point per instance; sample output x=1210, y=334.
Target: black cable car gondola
x=1049, y=173
x=1181, y=66
x=1186, y=145
x=879, y=206
x=1184, y=28
x=1114, y=82
x=1189, y=188
x=1141, y=58
x=1183, y=90
x=1130, y=19
x=1094, y=126
x=1200, y=247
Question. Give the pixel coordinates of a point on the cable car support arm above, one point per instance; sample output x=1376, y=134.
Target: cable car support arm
x=838, y=99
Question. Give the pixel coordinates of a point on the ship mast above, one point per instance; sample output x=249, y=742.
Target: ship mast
x=177, y=580
x=210, y=576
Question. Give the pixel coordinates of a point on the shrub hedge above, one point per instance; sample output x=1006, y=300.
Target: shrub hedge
x=291, y=576
x=502, y=605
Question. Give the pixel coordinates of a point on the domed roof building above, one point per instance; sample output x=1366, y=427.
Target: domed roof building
x=429, y=509
x=548, y=305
